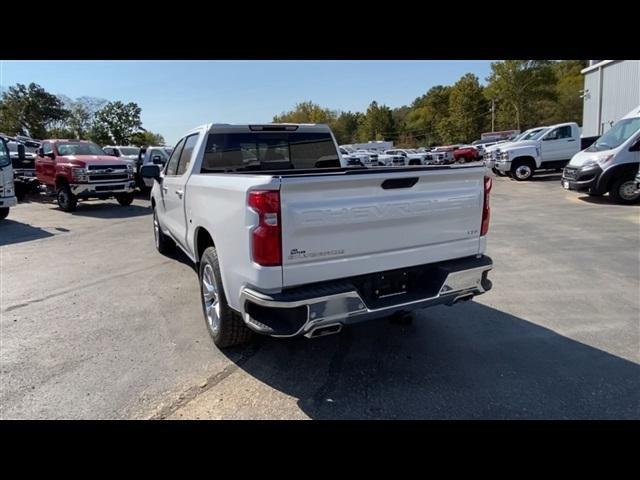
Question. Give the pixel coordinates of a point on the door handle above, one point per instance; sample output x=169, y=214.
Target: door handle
x=179, y=193
x=572, y=140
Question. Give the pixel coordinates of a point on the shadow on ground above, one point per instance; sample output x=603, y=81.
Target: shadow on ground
x=463, y=362
x=547, y=177
x=604, y=200
x=108, y=209
x=16, y=232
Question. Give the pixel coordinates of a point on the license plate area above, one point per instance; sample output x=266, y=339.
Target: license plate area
x=390, y=284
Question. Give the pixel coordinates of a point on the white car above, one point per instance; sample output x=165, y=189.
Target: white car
x=286, y=248
x=358, y=157
x=153, y=155
x=412, y=157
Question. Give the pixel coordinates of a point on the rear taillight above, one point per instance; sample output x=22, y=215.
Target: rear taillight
x=266, y=242
x=486, y=209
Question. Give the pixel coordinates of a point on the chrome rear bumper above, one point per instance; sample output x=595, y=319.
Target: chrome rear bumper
x=349, y=306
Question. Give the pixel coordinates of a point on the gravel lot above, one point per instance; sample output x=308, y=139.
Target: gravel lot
x=96, y=324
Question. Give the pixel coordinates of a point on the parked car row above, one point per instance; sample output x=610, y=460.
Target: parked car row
x=400, y=157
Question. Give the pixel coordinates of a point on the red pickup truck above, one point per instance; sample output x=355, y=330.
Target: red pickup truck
x=463, y=154
x=78, y=169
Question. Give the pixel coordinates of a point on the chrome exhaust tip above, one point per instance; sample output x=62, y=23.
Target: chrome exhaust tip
x=462, y=298
x=324, y=330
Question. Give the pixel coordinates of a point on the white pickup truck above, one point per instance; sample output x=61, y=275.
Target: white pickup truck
x=290, y=241
x=551, y=150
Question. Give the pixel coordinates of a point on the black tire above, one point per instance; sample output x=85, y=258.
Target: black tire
x=621, y=189
x=164, y=244
x=223, y=324
x=124, y=199
x=3, y=213
x=522, y=170
x=67, y=201
x=21, y=190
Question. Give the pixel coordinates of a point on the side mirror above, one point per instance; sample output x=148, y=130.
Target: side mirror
x=157, y=160
x=635, y=147
x=150, y=171
x=41, y=152
x=21, y=152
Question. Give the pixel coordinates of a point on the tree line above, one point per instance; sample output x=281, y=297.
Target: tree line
x=523, y=93
x=32, y=111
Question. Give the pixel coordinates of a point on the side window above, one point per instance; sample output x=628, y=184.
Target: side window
x=172, y=164
x=185, y=155
x=564, y=132
x=47, y=148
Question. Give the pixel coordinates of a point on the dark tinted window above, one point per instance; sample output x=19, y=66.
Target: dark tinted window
x=5, y=159
x=185, y=156
x=564, y=132
x=172, y=164
x=241, y=152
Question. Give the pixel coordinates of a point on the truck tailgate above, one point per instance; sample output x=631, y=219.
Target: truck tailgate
x=336, y=226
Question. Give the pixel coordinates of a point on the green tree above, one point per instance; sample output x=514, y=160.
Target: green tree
x=569, y=82
x=306, y=112
x=116, y=122
x=468, y=110
x=426, y=113
x=345, y=127
x=518, y=87
x=30, y=110
x=377, y=123
x=144, y=137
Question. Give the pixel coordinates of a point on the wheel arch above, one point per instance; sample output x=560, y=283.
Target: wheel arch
x=524, y=159
x=202, y=239
x=61, y=180
x=612, y=173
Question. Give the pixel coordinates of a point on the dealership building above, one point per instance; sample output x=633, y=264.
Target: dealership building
x=611, y=90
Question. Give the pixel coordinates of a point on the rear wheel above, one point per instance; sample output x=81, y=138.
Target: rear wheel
x=67, y=201
x=522, y=171
x=3, y=213
x=624, y=190
x=223, y=324
x=124, y=199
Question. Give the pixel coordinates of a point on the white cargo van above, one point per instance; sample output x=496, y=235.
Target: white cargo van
x=610, y=163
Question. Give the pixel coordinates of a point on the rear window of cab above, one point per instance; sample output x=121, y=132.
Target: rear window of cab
x=245, y=152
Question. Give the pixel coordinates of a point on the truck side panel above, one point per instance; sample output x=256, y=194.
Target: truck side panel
x=218, y=203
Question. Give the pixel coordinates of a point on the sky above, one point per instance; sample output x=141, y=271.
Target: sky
x=176, y=96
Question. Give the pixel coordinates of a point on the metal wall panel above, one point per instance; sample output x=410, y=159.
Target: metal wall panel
x=621, y=91
x=590, y=104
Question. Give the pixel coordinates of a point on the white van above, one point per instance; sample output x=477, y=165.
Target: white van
x=610, y=163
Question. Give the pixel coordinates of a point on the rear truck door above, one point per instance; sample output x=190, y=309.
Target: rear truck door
x=336, y=226
x=173, y=189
